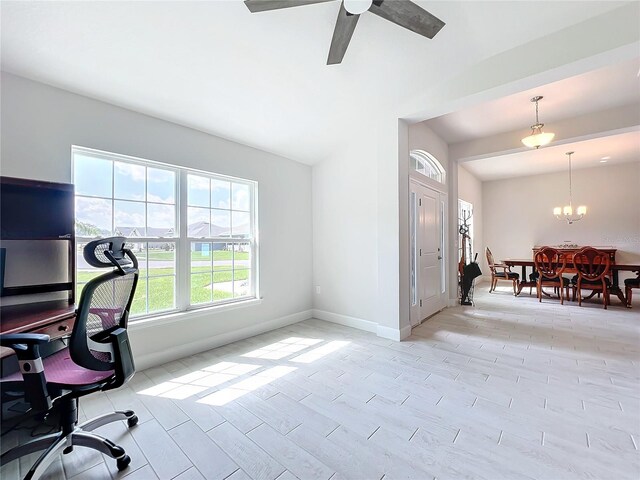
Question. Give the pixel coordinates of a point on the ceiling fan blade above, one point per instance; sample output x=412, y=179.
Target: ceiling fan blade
x=265, y=5
x=345, y=25
x=408, y=15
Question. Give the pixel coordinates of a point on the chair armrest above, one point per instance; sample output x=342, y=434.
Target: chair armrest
x=123, y=357
x=503, y=266
x=27, y=348
x=21, y=341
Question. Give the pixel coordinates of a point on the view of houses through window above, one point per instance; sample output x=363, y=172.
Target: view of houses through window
x=192, y=232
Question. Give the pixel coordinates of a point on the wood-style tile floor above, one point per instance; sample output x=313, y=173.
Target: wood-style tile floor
x=508, y=389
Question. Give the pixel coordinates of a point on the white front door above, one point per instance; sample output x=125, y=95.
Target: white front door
x=426, y=207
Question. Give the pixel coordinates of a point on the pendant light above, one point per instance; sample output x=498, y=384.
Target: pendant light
x=537, y=138
x=566, y=212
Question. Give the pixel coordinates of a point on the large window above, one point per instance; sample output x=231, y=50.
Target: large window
x=192, y=232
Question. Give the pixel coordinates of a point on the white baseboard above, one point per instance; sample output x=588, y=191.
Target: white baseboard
x=405, y=332
x=347, y=321
x=185, y=350
x=394, y=333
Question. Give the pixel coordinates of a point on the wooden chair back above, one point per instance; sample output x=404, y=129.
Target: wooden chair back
x=490, y=261
x=549, y=263
x=592, y=264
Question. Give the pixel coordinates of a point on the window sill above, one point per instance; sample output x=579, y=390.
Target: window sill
x=187, y=315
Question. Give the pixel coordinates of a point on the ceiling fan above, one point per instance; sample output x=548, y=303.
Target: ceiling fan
x=401, y=12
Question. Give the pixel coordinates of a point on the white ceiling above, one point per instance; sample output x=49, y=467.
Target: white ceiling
x=261, y=79
x=622, y=148
x=591, y=92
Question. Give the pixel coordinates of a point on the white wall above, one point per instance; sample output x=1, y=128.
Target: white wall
x=517, y=212
x=344, y=240
x=470, y=190
x=41, y=123
x=356, y=229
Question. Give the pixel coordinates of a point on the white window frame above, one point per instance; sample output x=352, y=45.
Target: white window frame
x=181, y=238
x=425, y=161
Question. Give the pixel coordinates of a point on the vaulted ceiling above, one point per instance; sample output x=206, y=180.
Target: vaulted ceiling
x=261, y=79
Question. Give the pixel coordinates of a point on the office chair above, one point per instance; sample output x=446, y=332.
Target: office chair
x=98, y=358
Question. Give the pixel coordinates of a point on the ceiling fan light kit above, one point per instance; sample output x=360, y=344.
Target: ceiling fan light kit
x=566, y=213
x=537, y=138
x=356, y=7
x=401, y=12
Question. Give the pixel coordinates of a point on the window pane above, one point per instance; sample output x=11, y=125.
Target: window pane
x=161, y=259
x=139, y=249
x=200, y=257
x=198, y=191
x=161, y=293
x=220, y=194
x=222, y=257
x=223, y=277
x=220, y=223
x=128, y=181
x=198, y=222
x=242, y=255
x=161, y=185
x=240, y=198
x=85, y=272
x=92, y=176
x=200, y=288
x=129, y=218
x=161, y=220
x=93, y=217
x=241, y=221
x=222, y=291
x=139, y=304
x=241, y=282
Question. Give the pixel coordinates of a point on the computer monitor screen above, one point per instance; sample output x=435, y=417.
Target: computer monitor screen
x=32, y=209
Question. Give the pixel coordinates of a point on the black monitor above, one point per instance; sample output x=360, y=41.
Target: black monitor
x=37, y=241
x=35, y=210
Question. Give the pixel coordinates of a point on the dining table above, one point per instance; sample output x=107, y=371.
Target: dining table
x=524, y=263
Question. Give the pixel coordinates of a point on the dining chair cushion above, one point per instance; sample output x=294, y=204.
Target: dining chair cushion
x=510, y=275
x=607, y=282
x=547, y=279
x=632, y=282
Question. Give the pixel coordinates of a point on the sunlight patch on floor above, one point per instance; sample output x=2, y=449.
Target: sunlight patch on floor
x=283, y=348
x=226, y=395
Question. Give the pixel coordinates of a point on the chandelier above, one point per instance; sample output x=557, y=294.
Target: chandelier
x=566, y=212
x=537, y=138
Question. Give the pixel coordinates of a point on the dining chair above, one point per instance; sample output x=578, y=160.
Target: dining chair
x=500, y=271
x=630, y=284
x=550, y=265
x=594, y=268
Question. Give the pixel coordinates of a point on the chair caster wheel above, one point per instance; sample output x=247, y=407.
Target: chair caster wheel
x=131, y=421
x=123, y=462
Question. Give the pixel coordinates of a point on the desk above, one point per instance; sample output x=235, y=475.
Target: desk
x=615, y=269
x=53, y=318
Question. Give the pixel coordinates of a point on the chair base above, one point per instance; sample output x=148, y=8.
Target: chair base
x=64, y=441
